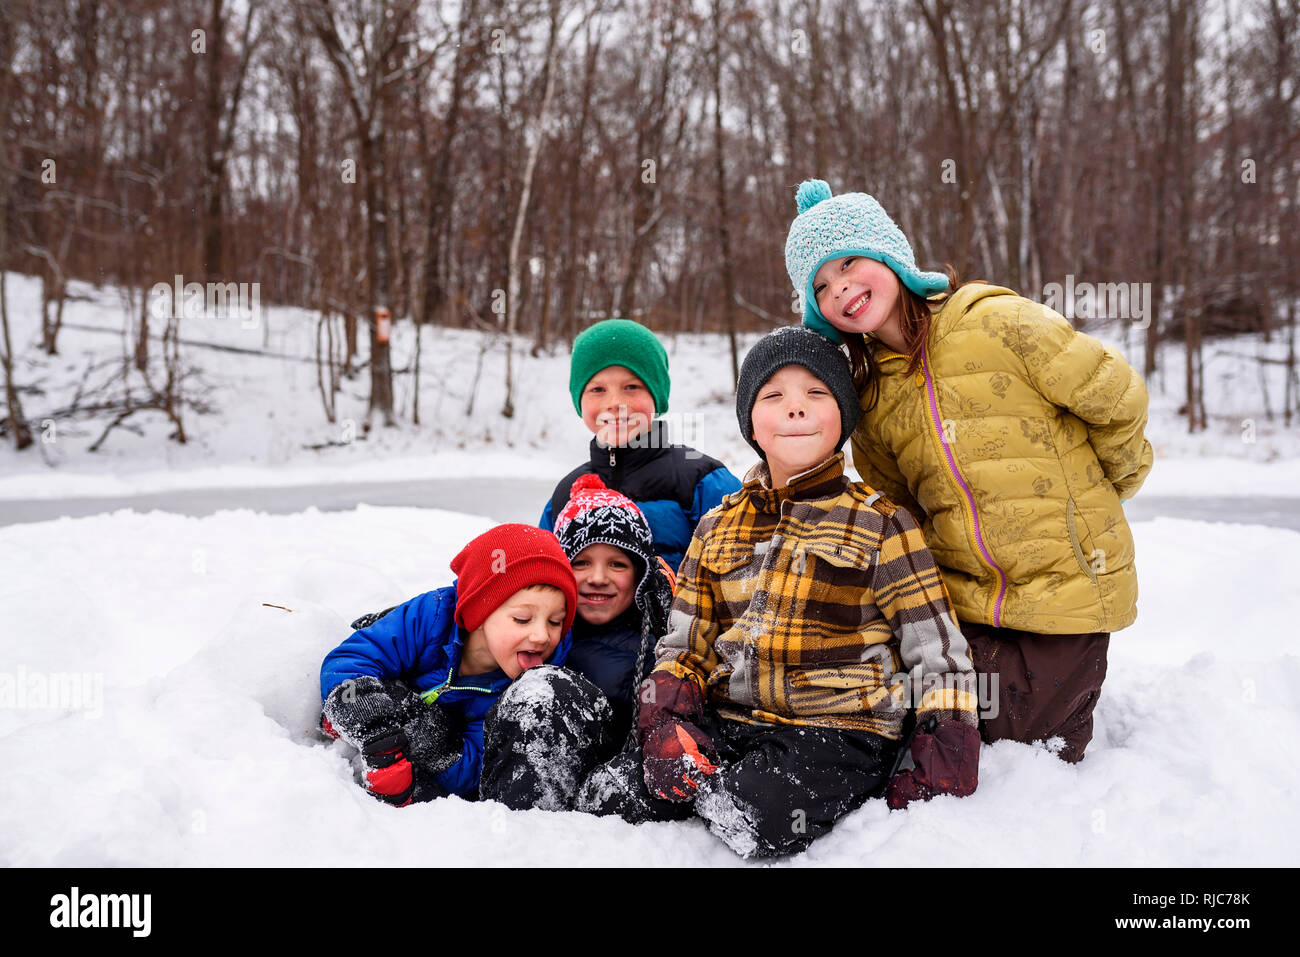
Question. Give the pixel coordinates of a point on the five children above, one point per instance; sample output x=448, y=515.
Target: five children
x=811, y=625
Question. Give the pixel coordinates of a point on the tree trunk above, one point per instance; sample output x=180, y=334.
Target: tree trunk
x=570, y=269
x=724, y=214
x=214, y=162
x=512, y=274
x=17, y=422
x=381, y=373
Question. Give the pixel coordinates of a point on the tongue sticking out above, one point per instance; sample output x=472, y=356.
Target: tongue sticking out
x=529, y=659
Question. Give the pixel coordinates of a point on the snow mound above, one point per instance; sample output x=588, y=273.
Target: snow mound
x=193, y=740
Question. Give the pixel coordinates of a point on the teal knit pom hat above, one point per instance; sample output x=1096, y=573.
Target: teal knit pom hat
x=619, y=342
x=851, y=224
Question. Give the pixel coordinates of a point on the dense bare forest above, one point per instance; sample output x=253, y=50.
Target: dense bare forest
x=531, y=166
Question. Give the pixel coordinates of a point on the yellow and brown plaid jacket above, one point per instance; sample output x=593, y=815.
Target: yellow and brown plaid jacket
x=816, y=604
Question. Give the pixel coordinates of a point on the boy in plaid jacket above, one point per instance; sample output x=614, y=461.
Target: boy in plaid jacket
x=808, y=617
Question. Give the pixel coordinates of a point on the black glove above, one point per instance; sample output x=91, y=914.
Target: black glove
x=364, y=708
x=433, y=734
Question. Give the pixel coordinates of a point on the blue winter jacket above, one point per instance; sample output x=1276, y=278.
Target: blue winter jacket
x=673, y=485
x=420, y=643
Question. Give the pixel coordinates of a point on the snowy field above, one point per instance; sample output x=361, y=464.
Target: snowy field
x=199, y=748
x=154, y=711
x=269, y=413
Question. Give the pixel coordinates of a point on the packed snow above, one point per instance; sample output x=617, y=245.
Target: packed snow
x=198, y=745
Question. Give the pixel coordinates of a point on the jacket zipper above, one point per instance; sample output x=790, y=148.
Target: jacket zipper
x=432, y=695
x=972, y=516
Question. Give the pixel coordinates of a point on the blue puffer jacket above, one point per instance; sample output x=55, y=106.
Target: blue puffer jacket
x=673, y=485
x=419, y=643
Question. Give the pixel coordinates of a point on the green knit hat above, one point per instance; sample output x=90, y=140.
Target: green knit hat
x=619, y=342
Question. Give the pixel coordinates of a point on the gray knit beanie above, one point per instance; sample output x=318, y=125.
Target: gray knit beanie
x=797, y=346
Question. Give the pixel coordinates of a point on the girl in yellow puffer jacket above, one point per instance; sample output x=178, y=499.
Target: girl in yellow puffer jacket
x=1010, y=437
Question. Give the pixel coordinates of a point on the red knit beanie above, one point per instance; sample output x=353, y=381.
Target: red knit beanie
x=504, y=560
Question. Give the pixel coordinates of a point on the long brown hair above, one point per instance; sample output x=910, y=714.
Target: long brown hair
x=914, y=312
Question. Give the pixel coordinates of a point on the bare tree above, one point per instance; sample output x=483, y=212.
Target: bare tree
x=376, y=55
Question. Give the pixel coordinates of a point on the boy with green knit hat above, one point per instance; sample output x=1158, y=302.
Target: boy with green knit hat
x=618, y=379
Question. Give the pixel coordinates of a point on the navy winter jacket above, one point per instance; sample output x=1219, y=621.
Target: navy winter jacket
x=673, y=485
x=606, y=656
x=420, y=643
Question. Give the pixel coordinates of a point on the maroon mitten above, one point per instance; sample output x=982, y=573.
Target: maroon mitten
x=947, y=759
x=664, y=698
x=678, y=757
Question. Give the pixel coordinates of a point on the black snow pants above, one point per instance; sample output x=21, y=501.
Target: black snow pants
x=777, y=789
x=541, y=739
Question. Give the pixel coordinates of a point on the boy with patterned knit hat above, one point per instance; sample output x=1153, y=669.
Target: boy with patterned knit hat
x=571, y=719
x=808, y=616
x=618, y=379
x=624, y=591
x=412, y=687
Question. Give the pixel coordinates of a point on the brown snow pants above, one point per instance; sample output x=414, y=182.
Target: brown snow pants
x=1047, y=685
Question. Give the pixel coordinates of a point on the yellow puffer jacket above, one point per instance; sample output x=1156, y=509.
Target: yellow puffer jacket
x=1017, y=438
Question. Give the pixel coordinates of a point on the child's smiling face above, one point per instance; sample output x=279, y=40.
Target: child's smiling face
x=857, y=294
x=606, y=582
x=796, y=422
x=520, y=634
x=616, y=406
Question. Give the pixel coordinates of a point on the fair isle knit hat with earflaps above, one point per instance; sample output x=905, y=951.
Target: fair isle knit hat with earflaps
x=598, y=515
x=851, y=224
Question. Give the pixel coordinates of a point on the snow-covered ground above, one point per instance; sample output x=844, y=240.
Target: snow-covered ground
x=186, y=735
x=269, y=413
x=193, y=740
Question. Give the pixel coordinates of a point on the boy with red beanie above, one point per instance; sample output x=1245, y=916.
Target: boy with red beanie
x=412, y=688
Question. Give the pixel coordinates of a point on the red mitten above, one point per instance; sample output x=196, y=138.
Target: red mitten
x=947, y=759
x=389, y=775
x=678, y=757
x=664, y=698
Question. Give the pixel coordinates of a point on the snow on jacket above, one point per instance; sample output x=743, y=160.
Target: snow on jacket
x=673, y=485
x=1013, y=445
x=817, y=604
x=420, y=643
